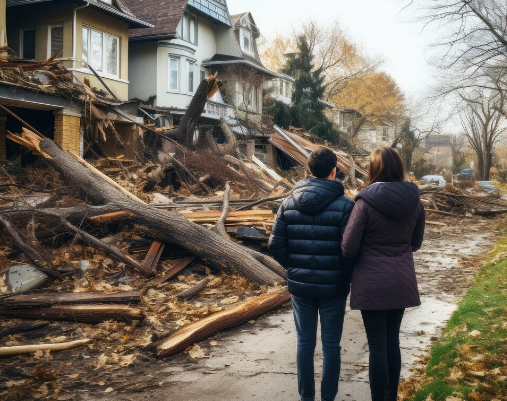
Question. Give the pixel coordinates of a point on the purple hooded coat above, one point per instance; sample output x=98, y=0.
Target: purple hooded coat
x=385, y=227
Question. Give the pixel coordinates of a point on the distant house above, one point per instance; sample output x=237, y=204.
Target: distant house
x=438, y=150
x=167, y=61
x=281, y=88
x=95, y=31
x=365, y=135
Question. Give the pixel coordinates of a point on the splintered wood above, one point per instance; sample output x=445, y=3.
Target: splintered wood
x=215, y=323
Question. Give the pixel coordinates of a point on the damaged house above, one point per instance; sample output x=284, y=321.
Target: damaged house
x=90, y=39
x=166, y=61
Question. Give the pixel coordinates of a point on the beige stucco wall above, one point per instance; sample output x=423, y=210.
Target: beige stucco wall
x=40, y=16
x=143, y=70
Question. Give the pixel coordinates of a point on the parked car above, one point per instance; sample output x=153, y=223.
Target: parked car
x=487, y=186
x=432, y=180
x=466, y=174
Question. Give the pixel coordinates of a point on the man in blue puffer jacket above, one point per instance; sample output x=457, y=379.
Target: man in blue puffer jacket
x=306, y=240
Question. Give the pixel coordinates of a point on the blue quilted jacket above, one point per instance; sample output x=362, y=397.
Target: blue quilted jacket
x=306, y=239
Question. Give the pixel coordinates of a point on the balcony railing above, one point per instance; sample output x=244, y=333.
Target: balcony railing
x=216, y=109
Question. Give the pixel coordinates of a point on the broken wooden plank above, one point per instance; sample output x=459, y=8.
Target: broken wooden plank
x=76, y=313
x=28, y=349
x=216, y=214
x=435, y=223
x=217, y=322
x=68, y=298
x=272, y=173
x=153, y=256
x=178, y=266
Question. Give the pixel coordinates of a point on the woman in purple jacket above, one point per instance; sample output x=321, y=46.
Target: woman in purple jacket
x=386, y=226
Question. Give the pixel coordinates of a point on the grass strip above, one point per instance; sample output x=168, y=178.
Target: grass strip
x=469, y=362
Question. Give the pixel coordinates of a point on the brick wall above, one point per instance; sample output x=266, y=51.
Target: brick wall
x=68, y=131
x=3, y=139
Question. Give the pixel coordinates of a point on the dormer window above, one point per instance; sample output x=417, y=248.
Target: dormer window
x=187, y=28
x=247, y=41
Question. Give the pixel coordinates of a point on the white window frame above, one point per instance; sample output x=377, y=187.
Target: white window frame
x=244, y=32
x=178, y=60
x=51, y=26
x=103, y=72
x=22, y=38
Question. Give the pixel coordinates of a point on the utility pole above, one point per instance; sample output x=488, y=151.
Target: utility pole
x=3, y=30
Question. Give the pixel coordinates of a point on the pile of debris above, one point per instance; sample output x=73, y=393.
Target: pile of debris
x=156, y=250
x=450, y=201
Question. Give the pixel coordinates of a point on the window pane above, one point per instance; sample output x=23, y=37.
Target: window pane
x=173, y=74
x=29, y=44
x=203, y=75
x=111, y=55
x=186, y=28
x=56, y=38
x=193, y=29
x=190, y=77
x=86, y=44
x=96, y=50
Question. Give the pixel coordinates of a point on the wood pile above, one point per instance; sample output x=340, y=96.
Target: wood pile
x=453, y=202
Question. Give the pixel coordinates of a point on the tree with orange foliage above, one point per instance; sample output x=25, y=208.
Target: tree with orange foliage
x=376, y=97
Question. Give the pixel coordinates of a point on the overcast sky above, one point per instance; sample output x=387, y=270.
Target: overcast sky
x=379, y=26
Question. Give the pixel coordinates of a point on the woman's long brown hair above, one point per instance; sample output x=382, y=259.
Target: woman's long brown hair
x=385, y=166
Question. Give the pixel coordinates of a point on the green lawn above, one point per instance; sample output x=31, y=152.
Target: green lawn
x=469, y=362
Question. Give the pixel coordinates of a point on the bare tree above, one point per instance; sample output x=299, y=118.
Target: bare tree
x=483, y=125
x=473, y=39
x=458, y=152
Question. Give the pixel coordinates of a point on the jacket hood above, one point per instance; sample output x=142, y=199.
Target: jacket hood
x=395, y=200
x=313, y=195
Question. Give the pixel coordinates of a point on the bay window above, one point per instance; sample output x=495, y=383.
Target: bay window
x=174, y=72
x=190, y=69
x=101, y=51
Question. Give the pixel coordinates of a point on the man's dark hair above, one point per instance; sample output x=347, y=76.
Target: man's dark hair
x=322, y=162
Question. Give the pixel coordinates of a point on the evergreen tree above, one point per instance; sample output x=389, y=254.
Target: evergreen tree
x=308, y=110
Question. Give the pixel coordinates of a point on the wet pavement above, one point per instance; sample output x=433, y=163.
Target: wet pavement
x=256, y=361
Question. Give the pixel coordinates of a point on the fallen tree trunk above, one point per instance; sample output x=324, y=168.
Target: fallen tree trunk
x=165, y=226
x=78, y=313
x=68, y=298
x=215, y=323
x=28, y=349
x=185, y=131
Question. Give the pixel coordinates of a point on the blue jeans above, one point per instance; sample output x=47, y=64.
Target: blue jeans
x=332, y=312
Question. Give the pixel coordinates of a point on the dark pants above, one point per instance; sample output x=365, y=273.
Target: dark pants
x=383, y=332
x=332, y=312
